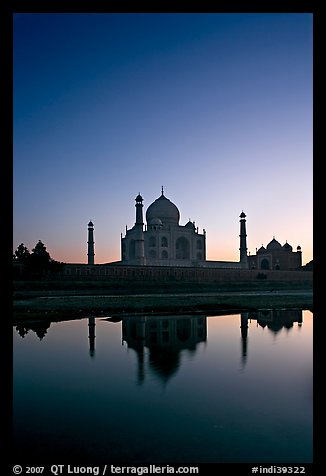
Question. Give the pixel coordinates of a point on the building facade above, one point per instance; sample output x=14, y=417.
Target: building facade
x=162, y=241
x=275, y=256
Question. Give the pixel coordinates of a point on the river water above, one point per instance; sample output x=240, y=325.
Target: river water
x=233, y=388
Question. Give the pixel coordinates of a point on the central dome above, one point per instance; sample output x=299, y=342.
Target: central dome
x=274, y=245
x=163, y=209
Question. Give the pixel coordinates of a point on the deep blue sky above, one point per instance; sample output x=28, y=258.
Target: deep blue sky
x=217, y=108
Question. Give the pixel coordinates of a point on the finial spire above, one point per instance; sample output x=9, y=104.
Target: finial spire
x=162, y=190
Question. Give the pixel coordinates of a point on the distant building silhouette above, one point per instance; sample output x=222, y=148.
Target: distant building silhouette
x=164, y=242
x=275, y=256
x=181, y=250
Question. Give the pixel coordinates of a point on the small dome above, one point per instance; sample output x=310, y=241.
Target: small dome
x=155, y=221
x=190, y=225
x=262, y=249
x=163, y=209
x=243, y=215
x=287, y=247
x=299, y=248
x=274, y=245
x=90, y=223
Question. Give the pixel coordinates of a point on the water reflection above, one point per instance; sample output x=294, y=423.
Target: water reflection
x=165, y=338
x=244, y=316
x=91, y=336
x=159, y=340
x=274, y=319
x=39, y=327
x=260, y=411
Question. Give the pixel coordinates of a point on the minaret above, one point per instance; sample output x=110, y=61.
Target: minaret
x=243, y=241
x=299, y=253
x=140, y=244
x=90, y=242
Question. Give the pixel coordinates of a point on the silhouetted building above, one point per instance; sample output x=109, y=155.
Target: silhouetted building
x=276, y=256
x=309, y=266
x=161, y=248
x=164, y=242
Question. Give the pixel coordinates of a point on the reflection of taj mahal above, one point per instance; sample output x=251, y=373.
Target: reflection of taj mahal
x=162, y=241
x=160, y=342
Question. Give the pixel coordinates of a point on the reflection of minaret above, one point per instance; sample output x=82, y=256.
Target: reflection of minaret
x=243, y=241
x=140, y=244
x=300, y=320
x=90, y=242
x=141, y=336
x=244, y=335
x=91, y=335
x=134, y=334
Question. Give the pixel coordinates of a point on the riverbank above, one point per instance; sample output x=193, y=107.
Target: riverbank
x=115, y=305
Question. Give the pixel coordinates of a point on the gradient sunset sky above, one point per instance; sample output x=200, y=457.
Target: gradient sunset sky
x=215, y=107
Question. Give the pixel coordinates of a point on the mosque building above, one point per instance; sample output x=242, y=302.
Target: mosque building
x=275, y=256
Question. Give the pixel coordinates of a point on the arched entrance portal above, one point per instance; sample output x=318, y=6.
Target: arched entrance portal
x=182, y=248
x=264, y=264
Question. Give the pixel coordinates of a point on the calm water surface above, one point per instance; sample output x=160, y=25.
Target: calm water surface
x=172, y=389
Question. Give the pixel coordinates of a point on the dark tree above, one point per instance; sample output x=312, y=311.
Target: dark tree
x=39, y=262
x=36, y=264
x=40, y=252
x=22, y=254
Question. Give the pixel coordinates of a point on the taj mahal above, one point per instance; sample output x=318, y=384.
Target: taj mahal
x=163, y=241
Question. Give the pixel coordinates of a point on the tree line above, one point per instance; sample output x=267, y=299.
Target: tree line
x=34, y=264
